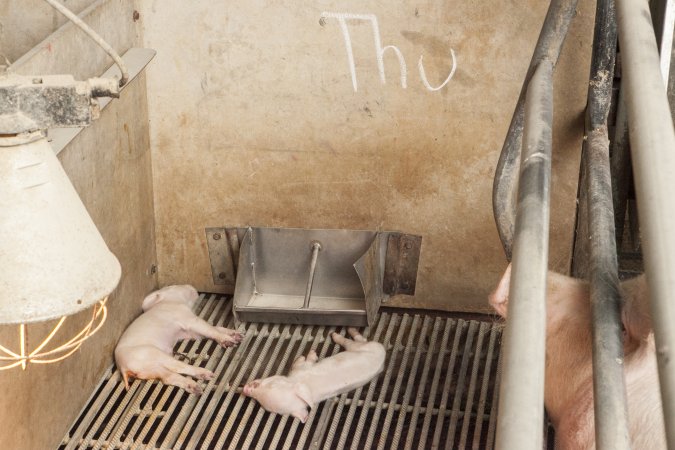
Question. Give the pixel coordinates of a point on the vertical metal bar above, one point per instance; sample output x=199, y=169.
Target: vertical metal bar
x=663, y=18
x=549, y=44
x=620, y=169
x=609, y=393
x=652, y=139
x=316, y=248
x=521, y=405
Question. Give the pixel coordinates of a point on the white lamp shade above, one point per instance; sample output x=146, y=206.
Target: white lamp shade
x=53, y=259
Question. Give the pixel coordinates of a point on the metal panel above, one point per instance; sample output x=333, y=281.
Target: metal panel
x=222, y=256
x=440, y=375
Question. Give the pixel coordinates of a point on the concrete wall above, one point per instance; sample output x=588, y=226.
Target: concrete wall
x=109, y=165
x=256, y=121
x=25, y=23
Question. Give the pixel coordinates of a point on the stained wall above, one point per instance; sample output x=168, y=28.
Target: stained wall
x=259, y=118
x=109, y=164
x=24, y=24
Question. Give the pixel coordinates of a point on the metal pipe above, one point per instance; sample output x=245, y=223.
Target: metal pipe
x=663, y=20
x=93, y=35
x=549, y=44
x=316, y=248
x=652, y=140
x=620, y=167
x=609, y=392
x=521, y=394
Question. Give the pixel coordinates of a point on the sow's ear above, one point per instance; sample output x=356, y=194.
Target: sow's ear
x=635, y=313
x=499, y=299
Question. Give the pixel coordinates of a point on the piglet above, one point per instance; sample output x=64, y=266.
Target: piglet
x=311, y=381
x=568, y=393
x=145, y=350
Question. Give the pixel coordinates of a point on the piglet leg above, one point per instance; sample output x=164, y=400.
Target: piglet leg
x=186, y=369
x=354, y=333
x=224, y=336
x=347, y=343
x=180, y=381
x=302, y=361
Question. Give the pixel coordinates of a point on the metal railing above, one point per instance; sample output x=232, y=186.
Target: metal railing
x=523, y=221
x=652, y=140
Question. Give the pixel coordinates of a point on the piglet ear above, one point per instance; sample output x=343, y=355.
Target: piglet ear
x=635, y=314
x=151, y=300
x=301, y=414
x=303, y=392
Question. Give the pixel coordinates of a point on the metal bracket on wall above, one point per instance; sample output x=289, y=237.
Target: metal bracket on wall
x=400, y=268
x=223, y=246
x=328, y=277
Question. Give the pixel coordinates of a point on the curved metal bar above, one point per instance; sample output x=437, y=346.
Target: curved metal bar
x=521, y=395
x=549, y=44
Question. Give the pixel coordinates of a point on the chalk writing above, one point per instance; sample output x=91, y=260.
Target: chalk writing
x=423, y=74
x=342, y=19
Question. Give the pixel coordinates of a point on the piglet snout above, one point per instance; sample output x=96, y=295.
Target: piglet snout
x=250, y=387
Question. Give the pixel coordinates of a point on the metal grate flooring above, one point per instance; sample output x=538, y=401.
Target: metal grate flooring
x=438, y=390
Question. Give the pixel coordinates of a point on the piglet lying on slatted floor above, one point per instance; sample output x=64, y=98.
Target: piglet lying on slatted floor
x=312, y=381
x=145, y=350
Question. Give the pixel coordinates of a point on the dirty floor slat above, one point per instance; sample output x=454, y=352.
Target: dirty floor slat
x=437, y=390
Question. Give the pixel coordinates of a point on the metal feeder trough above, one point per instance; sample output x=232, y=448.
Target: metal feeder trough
x=314, y=277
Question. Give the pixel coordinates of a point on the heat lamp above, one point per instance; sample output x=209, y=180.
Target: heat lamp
x=54, y=261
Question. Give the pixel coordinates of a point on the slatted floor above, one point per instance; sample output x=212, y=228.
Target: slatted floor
x=438, y=390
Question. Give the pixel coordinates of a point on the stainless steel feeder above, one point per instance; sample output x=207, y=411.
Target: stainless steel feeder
x=317, y=277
